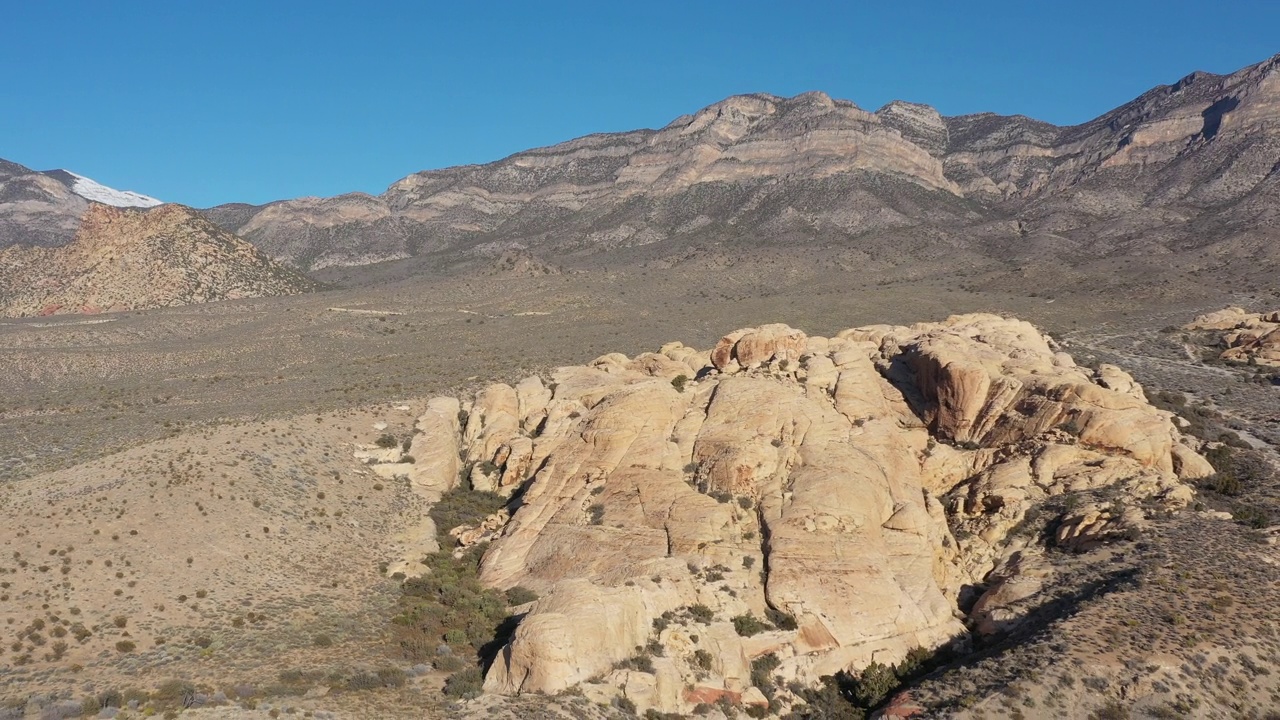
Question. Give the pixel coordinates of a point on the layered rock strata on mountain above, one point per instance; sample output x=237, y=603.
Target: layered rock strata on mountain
x=840, y=491
x=812, y=165
x=126, y=259
x=1245, y=337
x=36, y=209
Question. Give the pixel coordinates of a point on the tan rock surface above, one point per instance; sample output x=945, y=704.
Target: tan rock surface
x=1246, y=337
x=807, y=477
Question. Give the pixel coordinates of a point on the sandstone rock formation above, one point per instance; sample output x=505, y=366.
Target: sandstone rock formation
x=124, y=259
x=1246, y=337
x=823, y=500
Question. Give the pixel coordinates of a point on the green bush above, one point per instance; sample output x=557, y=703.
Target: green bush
x=874, y=684
x=640, y=661
x=679, y=382
x=702, y=613
x=448, y=604
x=464, y=684
x=762, y=673
x=748, y=625
x=519, y=595
x=461, y=506
x=701, y=659
x=847, y=695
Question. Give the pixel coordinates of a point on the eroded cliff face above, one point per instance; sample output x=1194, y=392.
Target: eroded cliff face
x=1203, y=136
x=841, y=493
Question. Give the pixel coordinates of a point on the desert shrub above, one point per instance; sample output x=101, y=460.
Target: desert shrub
x=13, y=709
x=762, y=673
x=917, y=659
x=1224, y=484
x=449, y=604
x=780, y=619
x=461, y=506
x=1237, y=470
x=701, y=659
x=1113, y=710
x=363, y=681
x=392, y=677
x=322, y=640
x=640, y=661
x=174, y=694
x=848, y=695
x=111, y=698
x=748, y=625
x=464, y=684
x=679, y=382
x=597, y=514
x=1254, y=516
x=624, y=705
x=126, y=646
x=829, y=700
x=520, y=595
x=702, y=613
x=386, y=441
x=60, y=710
x=874, y=684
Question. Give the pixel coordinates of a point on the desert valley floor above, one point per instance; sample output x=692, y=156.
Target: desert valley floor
x=188, y=474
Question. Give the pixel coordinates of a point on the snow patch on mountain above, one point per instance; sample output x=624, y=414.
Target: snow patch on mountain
x=97, y=192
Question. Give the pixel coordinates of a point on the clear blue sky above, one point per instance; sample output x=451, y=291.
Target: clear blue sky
x=212, y=102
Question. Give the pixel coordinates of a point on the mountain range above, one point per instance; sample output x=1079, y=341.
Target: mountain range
x=1190, y=171
x=1183, y=164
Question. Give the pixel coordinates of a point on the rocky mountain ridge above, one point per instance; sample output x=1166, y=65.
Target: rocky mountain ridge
x=817, y=168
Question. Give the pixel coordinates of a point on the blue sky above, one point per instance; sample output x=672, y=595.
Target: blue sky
x=205, y=103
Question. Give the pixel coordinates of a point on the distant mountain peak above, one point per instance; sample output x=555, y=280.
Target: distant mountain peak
x=90, y=189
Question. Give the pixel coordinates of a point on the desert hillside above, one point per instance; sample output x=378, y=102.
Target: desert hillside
x=128, y=259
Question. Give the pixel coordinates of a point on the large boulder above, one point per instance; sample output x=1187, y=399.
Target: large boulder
x=1246, y=337
x=794, y=496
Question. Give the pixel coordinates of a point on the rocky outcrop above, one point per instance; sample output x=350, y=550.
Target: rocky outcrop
x=823, y=500
x=127, y=259
x=1252, y=338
